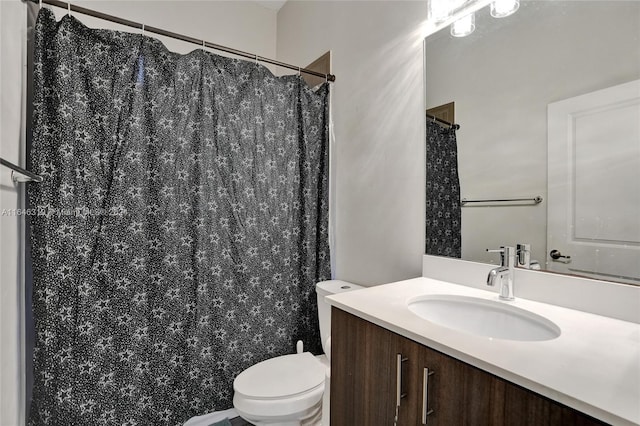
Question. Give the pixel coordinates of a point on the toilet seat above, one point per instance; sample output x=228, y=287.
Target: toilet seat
x=280, y=377
x=282, y=386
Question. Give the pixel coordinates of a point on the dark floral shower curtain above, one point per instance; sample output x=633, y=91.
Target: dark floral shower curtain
x=181, y=226
x=443, y=227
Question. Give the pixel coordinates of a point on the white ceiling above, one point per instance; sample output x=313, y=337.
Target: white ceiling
x=271, y=4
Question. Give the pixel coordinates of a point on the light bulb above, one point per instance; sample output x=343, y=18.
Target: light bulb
x=438, y=11
x=504, y=8
x=441, y=10
x=464, y=26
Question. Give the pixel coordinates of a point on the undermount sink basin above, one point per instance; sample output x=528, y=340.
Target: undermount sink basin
x=484, y=317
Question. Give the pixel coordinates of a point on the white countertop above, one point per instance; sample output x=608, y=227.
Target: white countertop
x=593, y=366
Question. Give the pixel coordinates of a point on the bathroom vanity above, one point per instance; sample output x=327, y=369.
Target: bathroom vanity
x=435, y=389
x=388, y=361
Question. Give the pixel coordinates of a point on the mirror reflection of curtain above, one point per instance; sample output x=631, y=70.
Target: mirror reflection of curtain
x=443, y=223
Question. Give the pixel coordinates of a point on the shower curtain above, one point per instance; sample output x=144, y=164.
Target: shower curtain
x=180, y=229
x=443, y=218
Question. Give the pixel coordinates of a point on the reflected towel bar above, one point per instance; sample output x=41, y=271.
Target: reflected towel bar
x=533, y=200
x=19, y=174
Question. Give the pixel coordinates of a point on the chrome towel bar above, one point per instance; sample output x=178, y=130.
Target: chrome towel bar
x=532, y=200
x=19, y=174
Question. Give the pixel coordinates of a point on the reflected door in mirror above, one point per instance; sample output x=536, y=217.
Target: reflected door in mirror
x=594, y=184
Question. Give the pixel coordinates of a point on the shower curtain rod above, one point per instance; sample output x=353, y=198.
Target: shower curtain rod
x=446, y=123
x=145, y=28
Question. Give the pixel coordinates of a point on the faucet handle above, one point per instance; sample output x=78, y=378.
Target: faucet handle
x=501, y=251
x=506, y=254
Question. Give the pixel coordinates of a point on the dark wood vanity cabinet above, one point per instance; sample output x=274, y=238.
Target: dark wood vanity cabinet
x=365, y=367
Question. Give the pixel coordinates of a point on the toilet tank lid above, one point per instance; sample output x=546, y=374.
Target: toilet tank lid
x=335, y=286
x=281, y=377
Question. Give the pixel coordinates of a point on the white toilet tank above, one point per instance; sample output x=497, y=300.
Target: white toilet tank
x=327, y=288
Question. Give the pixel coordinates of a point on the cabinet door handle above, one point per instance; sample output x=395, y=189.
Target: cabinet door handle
x=399, y=394
x=425, y=395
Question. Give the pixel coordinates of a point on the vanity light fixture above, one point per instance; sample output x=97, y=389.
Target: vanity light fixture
x=464, y=26
x=504, y=8
x=441, y=10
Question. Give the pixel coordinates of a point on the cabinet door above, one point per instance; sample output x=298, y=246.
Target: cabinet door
x=458, y=394
x=523, y=407
x=364, y=373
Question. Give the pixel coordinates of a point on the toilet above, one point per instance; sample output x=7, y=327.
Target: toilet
x=291, y=390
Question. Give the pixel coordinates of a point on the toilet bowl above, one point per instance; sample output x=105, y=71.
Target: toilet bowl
x=289, y=390
x=286, y=390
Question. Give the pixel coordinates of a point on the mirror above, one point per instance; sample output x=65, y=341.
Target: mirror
x=510, y=81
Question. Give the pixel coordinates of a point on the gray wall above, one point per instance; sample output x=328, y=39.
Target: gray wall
x=377, y=107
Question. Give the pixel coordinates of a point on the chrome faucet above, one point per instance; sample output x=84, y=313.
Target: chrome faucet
x=504, y=272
